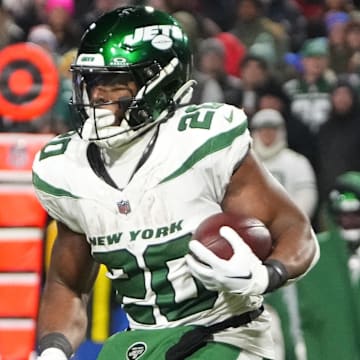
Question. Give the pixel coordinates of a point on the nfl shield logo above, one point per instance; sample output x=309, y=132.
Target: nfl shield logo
x=123, y=206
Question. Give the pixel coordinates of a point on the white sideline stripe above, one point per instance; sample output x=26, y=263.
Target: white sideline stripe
x=23, y=138
x=18, y=234
x=15, y=175
x=4, y=188
x=17, y=324
x=19, y=278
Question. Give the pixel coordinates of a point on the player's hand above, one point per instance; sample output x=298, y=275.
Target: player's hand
x=52, y=354
x=243, y=273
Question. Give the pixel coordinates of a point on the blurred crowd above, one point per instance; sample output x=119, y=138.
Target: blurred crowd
x=292, y=65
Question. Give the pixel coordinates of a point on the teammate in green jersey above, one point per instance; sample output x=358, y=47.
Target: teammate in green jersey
x=130, y=186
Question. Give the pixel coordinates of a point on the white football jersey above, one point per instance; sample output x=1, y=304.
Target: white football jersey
x=141, y=230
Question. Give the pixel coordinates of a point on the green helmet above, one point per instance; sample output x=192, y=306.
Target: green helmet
x=145, y=44
x=345, y=195
x=344, y=206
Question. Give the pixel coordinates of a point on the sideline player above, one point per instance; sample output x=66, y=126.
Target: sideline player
x=131, y=185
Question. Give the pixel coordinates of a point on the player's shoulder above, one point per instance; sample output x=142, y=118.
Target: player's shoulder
x=61, y=155
x=216, y=118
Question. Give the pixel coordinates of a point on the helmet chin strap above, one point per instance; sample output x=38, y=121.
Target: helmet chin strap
x=184, y=94
x=163, y=73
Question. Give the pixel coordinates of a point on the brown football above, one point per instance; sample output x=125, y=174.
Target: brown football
x=252, y=231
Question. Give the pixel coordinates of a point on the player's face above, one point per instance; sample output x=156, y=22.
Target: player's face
x=350, y=220
x=106, y=90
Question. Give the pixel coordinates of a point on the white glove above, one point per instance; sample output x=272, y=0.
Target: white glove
x=52, y=354
x=243, y=273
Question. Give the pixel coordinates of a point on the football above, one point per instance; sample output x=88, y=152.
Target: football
x=252, y=231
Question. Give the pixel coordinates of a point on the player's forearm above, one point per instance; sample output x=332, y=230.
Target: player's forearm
x=296, y=248
x=63, y=311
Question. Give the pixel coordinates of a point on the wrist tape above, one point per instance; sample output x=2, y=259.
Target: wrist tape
x=278, y=275
x=56, y=340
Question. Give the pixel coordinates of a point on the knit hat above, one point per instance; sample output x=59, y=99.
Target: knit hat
x=345, y=196
x=336, y=17
x=211, y=45
x=267, y=118
x=43, y=35
x=67, y=5
x=315, y=47
x=235, y=52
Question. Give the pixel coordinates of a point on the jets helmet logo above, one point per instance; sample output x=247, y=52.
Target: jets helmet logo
x=149, y=33
x=135, y=351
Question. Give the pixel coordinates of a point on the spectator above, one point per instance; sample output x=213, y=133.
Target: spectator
x=338, y=54
x=255, y=74
x=290, y=168
x=60, y=17
x=235, y=52
x=289, y=15
x=43, y=36
x=252, y=26
x=309, y=93
x=10, y=32
x=340, y=5
x=23, y=12
x=299, y=137
x=190, y=24
x=338, y=138
x=211, y=61
x=352, y=43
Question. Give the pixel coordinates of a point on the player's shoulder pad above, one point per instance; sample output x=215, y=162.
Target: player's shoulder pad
x=60, y=156
x=216, y=117
x=207, y=127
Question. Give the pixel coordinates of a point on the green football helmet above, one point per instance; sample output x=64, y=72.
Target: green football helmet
x=344, y=206
x=345, y=195
x=139, y=43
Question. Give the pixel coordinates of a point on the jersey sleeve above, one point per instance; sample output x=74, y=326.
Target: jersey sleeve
x=50, y=185
x=227, y=144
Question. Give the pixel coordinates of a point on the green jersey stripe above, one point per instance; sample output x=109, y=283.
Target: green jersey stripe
x=212, y=145
x=49, y=189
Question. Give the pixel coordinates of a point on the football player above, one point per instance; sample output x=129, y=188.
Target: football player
x=130, y=186
x=313, y=327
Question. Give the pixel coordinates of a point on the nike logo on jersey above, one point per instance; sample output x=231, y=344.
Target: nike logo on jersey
x=230, y=118
x=246, y=277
